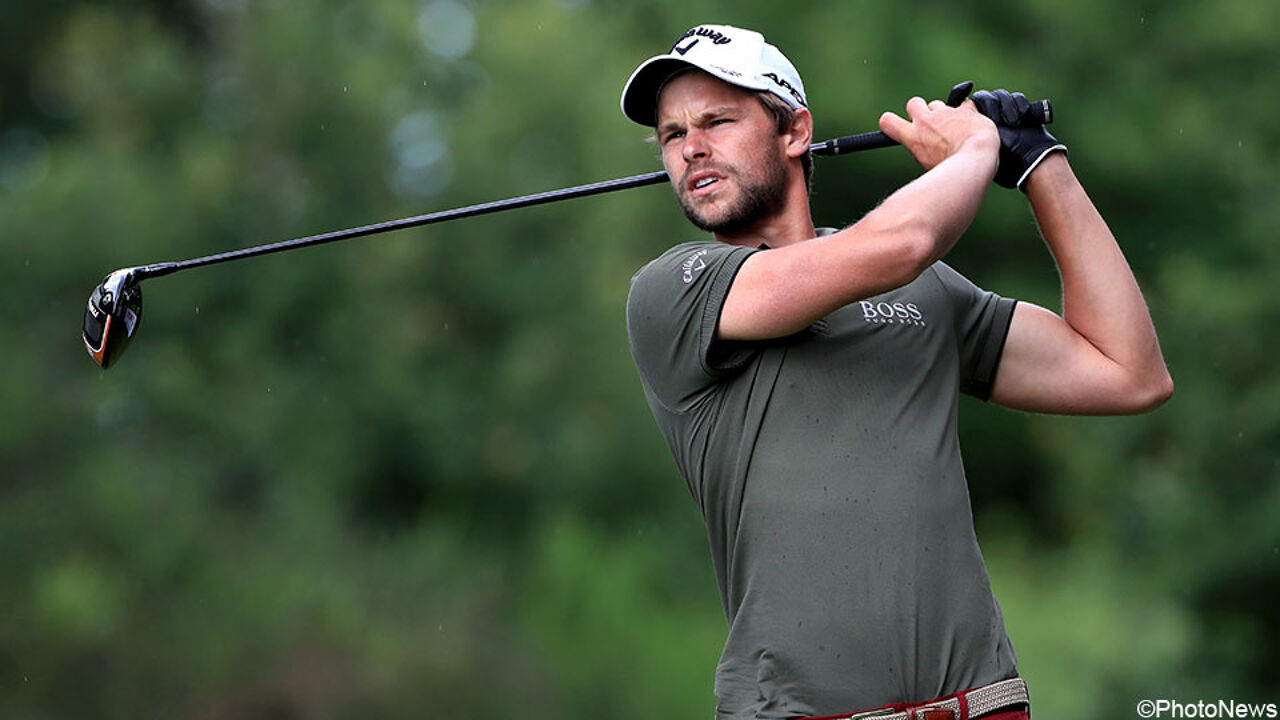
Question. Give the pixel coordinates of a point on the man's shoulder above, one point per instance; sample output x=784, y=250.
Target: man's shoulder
x=685, y=263
x=957, y=285
x=681, y=252
x=945, y=273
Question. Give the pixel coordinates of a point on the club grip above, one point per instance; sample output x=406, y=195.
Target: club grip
x=852, y=143
x=959, y=93
x=1040, y=113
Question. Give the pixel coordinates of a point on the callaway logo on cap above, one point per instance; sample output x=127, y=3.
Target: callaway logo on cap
x=736, y=56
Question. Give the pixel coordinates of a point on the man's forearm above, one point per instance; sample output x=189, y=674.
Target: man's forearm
x=938, y=206
x=1101, y=299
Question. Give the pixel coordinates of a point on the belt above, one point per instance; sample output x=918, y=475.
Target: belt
x=960, y=706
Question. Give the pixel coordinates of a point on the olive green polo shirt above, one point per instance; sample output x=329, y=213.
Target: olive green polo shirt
x=828, y=473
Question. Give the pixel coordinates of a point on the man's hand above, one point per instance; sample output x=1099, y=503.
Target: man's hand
x=1024, y=141
x=935, y=131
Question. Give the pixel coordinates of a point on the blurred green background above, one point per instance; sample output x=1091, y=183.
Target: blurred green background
x=414, y=476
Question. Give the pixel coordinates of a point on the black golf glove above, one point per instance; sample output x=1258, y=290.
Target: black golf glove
x=1024, y=141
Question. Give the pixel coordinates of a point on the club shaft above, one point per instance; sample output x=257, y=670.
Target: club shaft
x=596, y=188
x=834, y=146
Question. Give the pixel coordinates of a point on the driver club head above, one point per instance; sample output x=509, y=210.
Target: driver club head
x=112, y=316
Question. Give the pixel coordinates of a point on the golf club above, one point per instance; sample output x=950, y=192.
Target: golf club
x=115, y=306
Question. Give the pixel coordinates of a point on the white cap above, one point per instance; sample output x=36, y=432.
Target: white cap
x=736, y=56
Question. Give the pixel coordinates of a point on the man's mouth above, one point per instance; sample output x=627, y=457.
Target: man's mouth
x=702, y=183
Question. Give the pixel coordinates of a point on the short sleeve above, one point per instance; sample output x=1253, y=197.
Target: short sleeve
x=673, y=310
x=982, y=320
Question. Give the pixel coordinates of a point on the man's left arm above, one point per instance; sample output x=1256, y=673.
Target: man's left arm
x=1101, y=356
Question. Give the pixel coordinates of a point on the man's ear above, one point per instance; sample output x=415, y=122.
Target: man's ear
x=800, y=135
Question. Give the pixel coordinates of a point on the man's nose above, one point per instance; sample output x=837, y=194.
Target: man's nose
x=695, y=146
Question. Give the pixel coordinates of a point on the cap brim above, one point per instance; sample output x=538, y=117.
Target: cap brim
x=640, y=96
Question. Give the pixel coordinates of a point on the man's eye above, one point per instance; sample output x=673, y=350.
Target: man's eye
x=672, y=136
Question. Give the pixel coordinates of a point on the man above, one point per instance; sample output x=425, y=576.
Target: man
x=806, y=381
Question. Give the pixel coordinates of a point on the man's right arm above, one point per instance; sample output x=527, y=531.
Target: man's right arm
x=785, y=290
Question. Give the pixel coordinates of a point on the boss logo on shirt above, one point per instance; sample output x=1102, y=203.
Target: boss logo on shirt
x=898, y=313
x=692, y=266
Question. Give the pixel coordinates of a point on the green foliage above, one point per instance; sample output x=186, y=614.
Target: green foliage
x=414, y=475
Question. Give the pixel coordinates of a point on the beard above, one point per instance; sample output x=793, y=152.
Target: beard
x=758, y=199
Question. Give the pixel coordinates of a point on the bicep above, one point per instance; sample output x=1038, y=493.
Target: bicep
x=1048, y=367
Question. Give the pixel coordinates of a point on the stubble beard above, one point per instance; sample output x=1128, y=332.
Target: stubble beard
x=757, y=200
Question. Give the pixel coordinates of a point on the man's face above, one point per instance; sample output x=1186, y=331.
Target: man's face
x=723, y=153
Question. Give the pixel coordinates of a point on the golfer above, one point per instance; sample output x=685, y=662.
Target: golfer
x=806, y=380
